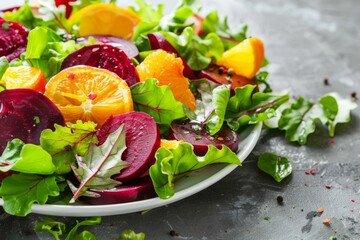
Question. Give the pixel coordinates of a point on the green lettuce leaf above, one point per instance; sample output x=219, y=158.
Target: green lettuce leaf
x=157, y=101
x=130, y=235
x=26, y=158
x=147, y=12
x=85, y=235
x=64, y=142
x=55, y=228
x=95, y=169
x=20, y=191
x=213, y=24
x=4, y=64
x=276, y=166
x=172, y=164
x=198, y=52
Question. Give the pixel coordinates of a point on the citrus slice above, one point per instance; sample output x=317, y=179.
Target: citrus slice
x=168, y=70
x=24, y=77
x=170, y=144
x=245, y=58
x=105, y=19
x=89, y=94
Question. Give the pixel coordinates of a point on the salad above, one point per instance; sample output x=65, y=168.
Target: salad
x=105, y=104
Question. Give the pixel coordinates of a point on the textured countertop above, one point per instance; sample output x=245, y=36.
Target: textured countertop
x=306, y=42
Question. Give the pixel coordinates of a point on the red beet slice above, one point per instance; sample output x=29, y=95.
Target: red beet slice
x=127, y=46
x=24, y=114
x=13, y=39
x=158, y=41
x=142, y=141
x=196, y=134
x=106, y=57
x=142, y=189
x=222, y=75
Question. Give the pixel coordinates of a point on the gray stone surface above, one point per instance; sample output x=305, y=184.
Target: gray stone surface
x=306, y=41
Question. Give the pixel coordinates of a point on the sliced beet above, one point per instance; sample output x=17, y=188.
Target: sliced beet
x=196, y=134
x=158, y=41
x=142, y=140
x=127, y=46
x=140, y=190
x=24, y=114
x=13, y=39
x=106, y=57
x=222, y=75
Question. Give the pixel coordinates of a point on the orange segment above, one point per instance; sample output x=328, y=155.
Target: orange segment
x=170, y=144
x=168, y=70
x=89, y=94
x=24, y=77
x=105, y=19
x=245, y=58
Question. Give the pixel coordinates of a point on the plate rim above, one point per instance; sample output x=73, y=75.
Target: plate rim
x=142, y=205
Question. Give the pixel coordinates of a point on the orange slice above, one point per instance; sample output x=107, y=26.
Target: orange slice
x=89, y=94
x=245, y=58
x=170, y=144
x=168, y=70
x=105, y=19
x=24, y=77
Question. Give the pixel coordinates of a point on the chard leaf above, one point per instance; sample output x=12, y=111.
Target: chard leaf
x=276, y=166
x=157, y=101
x=26, y=158
x=172, y=164
x=4, y=64
x=246, y=107
x=64, y=142
x=197, y=52
x=213, y=24
x=147, y=12
x=95, y=169
x=52, y=226
x=20, y=191
x=85, y=234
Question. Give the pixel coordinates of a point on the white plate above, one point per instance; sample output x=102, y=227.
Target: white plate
x=185, y=187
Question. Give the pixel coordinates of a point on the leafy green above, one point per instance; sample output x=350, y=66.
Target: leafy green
x=52, y=226
x=20, y=191
x=46, y=50
x=95, y=169
x=130, y=235
x=26, y=158
x=213, y=24
x=172, y=164
x=299, y=120
x=64, y=142
x=85, y=235
x=276, y=166
x=147, y=12
x=198, y=52
x=4, y=64
x=157, y=101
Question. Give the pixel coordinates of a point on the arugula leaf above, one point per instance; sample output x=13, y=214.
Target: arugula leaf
x=64, y=142
x=147, y=12
x=26, y=158
x=276, y=166
x=197, y=52
x=85, y=234
x=157, y=101
x=52, y=226
x=20, y=191
x=130, y=235
x=172, y=164
x=95, y=169
x=213, y=24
